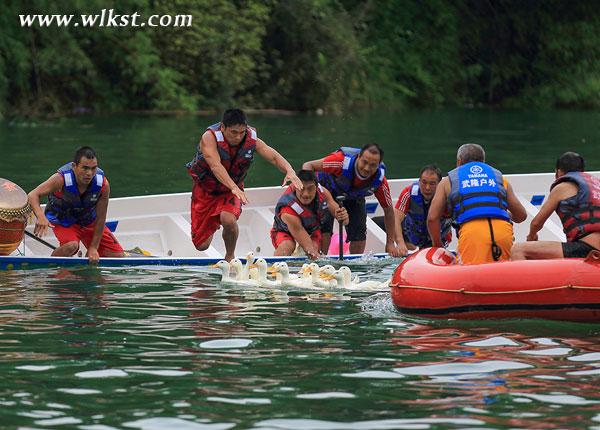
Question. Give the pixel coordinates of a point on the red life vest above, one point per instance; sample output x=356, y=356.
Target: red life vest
x=580, y=214
x=236, y=160
x=310, y=216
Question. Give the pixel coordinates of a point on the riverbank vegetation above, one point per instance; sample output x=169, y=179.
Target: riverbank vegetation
x=303, y=55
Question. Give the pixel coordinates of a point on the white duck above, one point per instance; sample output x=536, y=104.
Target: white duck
x=236, y=264
x=262, y=266
x=225, y=268
x=342, y=278
x=288, y=280
x=240, y=272
x=316, y=278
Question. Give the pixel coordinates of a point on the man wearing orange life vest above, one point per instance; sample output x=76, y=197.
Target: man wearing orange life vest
x=482, y=205
x=299, y=214
x=575, y=196
x=222, y=160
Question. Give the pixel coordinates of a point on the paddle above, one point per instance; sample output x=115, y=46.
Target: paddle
x=49, y=245
x=340, y=201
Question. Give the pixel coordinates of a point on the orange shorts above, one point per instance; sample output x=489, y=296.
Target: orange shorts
x=206, y=212
x=475, y=242
x=76, y=233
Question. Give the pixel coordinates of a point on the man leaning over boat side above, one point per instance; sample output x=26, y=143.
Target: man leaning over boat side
x=575, y=196
x=412, y=209
x=222, y=160
x=357, y=173
x=482, y=205
x=299, y=214
x=78, y=195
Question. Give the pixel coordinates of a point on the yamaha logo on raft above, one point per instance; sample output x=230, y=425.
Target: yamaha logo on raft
x=476, y=169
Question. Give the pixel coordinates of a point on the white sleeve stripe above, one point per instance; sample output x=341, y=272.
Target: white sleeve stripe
x=297, y=208
x=404, y=202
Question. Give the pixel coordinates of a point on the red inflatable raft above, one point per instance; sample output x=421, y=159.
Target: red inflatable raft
x=429, y=283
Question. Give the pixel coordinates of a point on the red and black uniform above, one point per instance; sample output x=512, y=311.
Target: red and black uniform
x=310, y=216
x=209, y=196
x=579, y=214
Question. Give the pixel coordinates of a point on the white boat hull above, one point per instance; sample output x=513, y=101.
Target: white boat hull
x=160, y=224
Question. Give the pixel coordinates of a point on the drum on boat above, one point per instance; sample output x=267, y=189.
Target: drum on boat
x=430, y=284
x=14, y=212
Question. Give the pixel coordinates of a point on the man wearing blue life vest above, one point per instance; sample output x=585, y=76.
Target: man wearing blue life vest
x=575, y=196
x=78, y=196
x=483, y=206
x=222, y=160
x=357, y=173
x=412, y=208
x=299, y=214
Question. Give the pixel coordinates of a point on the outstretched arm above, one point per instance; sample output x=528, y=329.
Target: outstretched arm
x=517, y=211
x=101, y=209
x=276, y=159
x=300, y=235
x=314, y=165
x=558, y=193
x=51, y=185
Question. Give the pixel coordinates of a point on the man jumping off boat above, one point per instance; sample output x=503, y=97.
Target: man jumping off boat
x=482, y=204
x=575, y=196
x=299, y=214
x=356, y=173
x=222, y=160
x=78, y=195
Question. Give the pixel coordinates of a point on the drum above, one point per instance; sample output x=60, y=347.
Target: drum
x=14, y=212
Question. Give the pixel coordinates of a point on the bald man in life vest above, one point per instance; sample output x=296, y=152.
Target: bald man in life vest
x=483, y=206
x=222, y=160
x=575, y=196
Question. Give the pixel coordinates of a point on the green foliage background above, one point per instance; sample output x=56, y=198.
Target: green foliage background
x=303, y=55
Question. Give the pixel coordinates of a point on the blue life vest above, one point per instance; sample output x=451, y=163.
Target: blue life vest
x=72, y=207
x=414, y=224
x=477, y=191
x=580, y=214
x=343, y=184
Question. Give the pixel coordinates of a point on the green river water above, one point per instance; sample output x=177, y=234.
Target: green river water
x=173, y=348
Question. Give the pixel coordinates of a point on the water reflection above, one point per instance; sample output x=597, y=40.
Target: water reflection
x=152, y=347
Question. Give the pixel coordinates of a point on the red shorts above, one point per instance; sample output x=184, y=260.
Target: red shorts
x=206, y=212
x=277, y=237
x=77, y=233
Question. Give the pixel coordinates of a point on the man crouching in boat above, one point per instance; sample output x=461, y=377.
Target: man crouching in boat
x=222, y=160
x=412, y=209
x=482, y=204
x=299, y=214
x=357, y=173
x=575, y=196
x=78, y=196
